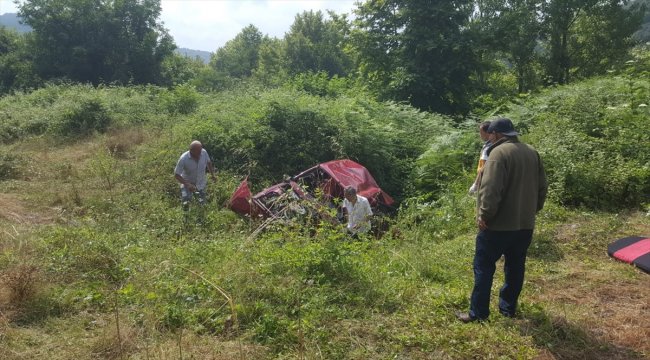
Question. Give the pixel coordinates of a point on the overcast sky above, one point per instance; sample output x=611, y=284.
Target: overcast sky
x=208, y=24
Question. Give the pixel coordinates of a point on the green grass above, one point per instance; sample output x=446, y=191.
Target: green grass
x=97, y=221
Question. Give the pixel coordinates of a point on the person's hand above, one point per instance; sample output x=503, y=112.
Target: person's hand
x=481, y=224
x=191, y=187
x=472, y=188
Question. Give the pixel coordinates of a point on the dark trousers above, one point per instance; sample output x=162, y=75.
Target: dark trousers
x=490, y=245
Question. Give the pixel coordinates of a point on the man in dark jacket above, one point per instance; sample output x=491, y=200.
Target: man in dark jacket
x=511, y=191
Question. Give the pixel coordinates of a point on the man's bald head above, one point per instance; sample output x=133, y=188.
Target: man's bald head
x=195, y=149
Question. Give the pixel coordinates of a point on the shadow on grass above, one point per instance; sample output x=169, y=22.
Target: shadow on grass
x=565, y=340
x=544, y=247
x=37, y=310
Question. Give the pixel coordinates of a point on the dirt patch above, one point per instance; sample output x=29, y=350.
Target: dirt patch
x=14, y=210
x=613, y=309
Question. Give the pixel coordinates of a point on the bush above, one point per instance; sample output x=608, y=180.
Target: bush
x=84, y=118
x=182, y=99
x=593, y=140
x=9, y=165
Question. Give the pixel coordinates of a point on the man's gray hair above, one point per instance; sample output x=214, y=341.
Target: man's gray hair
x=350, y=190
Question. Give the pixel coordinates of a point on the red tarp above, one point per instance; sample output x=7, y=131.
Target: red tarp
x=331, y=177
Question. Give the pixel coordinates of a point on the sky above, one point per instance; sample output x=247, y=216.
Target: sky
x=208, y=24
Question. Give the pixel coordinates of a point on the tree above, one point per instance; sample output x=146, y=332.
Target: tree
x=239, y=56
x=316, y=44
x=16, y=66
x=513, y=27
x=602, y=37
x=417, y=51
x=98, y=40
x=272, y=67
x=575, y=26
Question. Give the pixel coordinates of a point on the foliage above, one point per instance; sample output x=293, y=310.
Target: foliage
x=315, y=44
x=601, y=122
x=280, y=132
x=119, y=41
x=84, y=118
x=448, y=159
x=417, y=52
x=77, y=109
x=573, y=45
x=10, y=165
x=239, y=56
x=182, y=99
x=513, y=27
x=320, y=84
x=121, y=248
x=16, y=65
x=272, y=69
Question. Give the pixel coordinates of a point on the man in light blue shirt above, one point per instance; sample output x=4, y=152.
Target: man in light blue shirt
x=190, y=173
x=359, y=211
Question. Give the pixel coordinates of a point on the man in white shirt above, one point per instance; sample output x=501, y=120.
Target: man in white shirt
x=359, y=212
x=190, y=173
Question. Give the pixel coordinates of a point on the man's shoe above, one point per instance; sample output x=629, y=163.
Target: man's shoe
x=466, y=317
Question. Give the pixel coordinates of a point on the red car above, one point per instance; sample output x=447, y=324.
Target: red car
x=325, y=181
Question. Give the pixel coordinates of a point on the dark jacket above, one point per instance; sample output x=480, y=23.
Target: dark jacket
x=513, y=186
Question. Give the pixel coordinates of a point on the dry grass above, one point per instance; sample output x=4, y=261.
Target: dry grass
x=15, y=211
x=20, y=283
x=192, y=346
x=111, y=345
x=606, y=306
x=120, y=143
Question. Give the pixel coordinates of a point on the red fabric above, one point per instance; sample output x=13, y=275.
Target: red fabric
x=633, y=251
x=349, y=173
x=240, y=199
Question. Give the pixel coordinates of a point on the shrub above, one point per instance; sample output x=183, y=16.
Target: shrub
x=182, y=99
x=593, y=140
x=9, y=165
x=84, y=118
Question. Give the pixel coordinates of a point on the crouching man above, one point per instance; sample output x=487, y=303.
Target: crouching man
x=190, y=173
x=358, y=212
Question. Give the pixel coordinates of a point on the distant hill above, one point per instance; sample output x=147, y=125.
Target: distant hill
x=12, y=21
x=203, y=55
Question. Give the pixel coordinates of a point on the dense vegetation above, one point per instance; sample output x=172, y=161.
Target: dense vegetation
x=96, y=260
x=438, y=57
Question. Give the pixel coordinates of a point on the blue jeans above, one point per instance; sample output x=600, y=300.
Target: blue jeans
x=186, y=197
x=490, y=245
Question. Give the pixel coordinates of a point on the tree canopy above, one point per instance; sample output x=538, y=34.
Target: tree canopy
x=98, y=41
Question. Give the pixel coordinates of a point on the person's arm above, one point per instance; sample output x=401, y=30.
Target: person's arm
x=211, y=170
x=185, y=183
x=369, y=214
x=543, y=185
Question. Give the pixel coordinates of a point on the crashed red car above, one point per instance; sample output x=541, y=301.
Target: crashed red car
x=328, y=180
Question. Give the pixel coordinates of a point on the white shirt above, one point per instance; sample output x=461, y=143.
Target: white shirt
x=357, y=214
x=193, y=171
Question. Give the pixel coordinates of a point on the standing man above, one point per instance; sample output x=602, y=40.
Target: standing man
x=511, y=192
x=190, y=173
x=359, y=212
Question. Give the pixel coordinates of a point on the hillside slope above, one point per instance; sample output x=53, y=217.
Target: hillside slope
x=97, y=261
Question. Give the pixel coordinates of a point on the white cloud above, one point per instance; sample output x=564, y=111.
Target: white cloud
x=209, y=24
x=7, y=6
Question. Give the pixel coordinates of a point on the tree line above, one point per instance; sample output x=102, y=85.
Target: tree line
x=443, y=56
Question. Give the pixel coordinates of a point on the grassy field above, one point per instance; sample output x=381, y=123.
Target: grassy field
x=96, y=260
x=96, y=263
